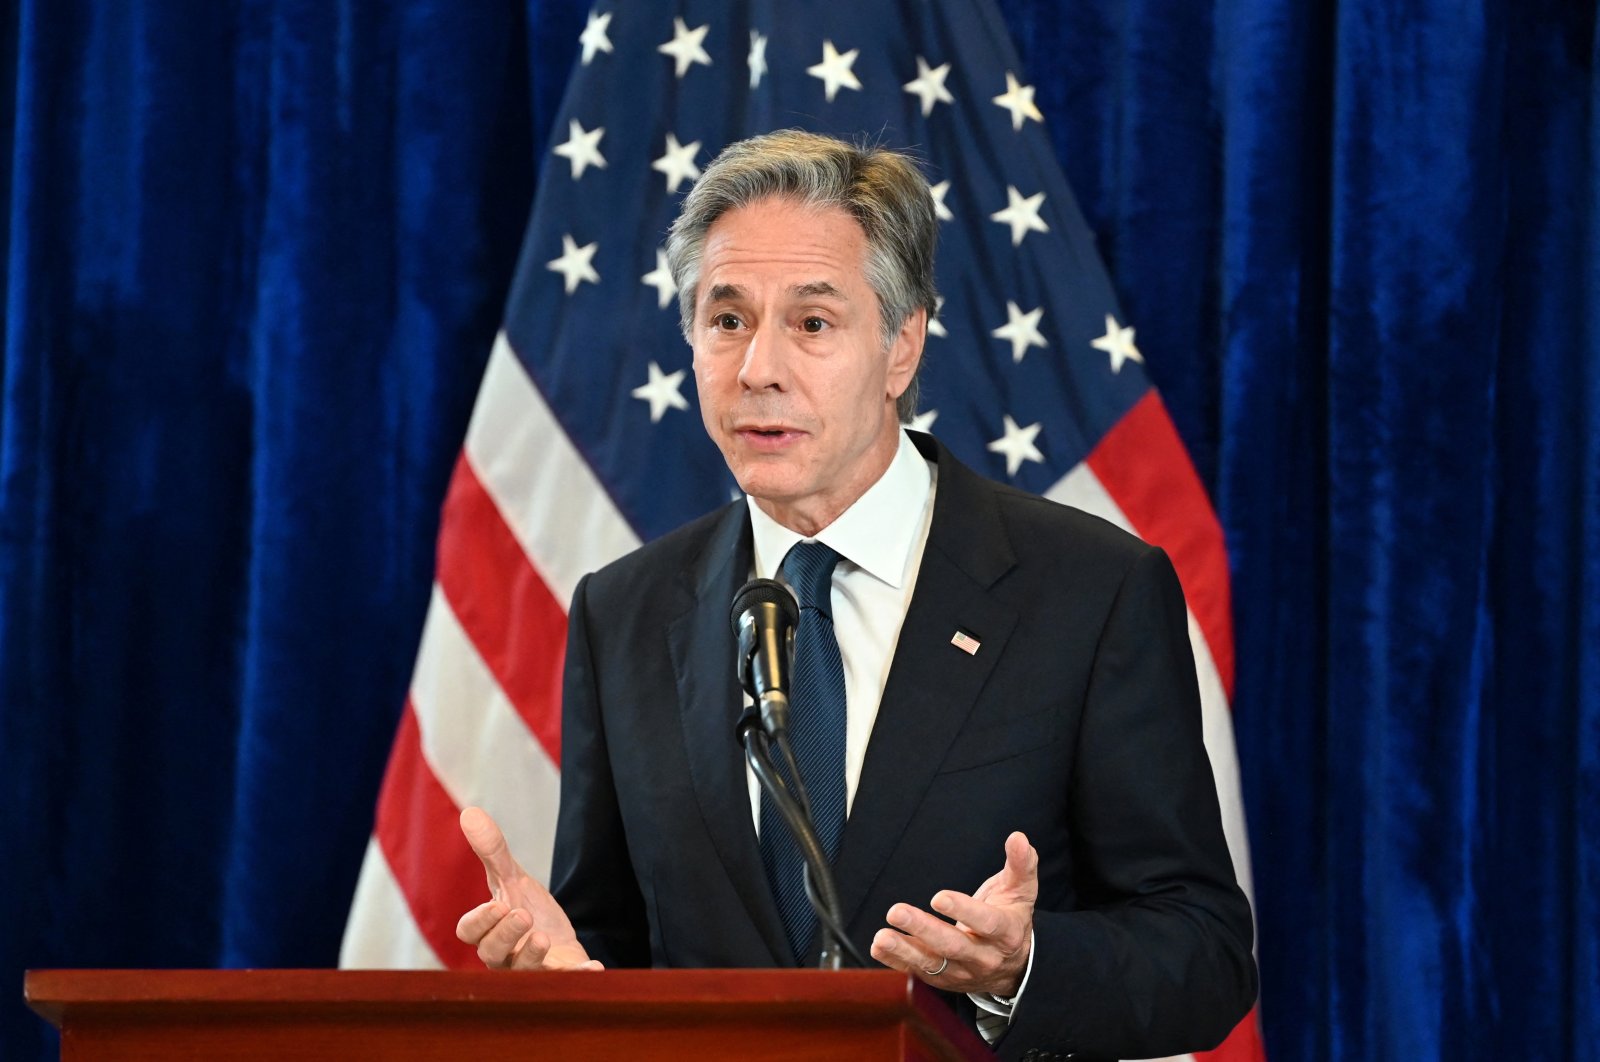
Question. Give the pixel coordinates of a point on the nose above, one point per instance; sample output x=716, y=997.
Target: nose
x=765, y=366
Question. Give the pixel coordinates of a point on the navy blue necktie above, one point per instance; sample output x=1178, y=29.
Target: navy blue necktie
x=816, y=732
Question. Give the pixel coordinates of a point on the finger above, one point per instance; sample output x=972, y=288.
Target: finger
x=478, y=921
x=900, y=952
x=563, y=956
x=530, y=952
x=935, y=935
x=1018, y=876
x=489, y=844
x=500, y=944
x=1022, y=861
x=973, y=915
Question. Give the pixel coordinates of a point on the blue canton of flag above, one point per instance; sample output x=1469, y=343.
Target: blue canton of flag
x=1029, y=362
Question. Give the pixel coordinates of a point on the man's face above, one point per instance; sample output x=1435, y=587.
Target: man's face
x=796, y=387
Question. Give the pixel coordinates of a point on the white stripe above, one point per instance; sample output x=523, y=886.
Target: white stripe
x=545, y=490
x=477, y=745
x=1082, y=489
x=1216, y=721
x=381, y=934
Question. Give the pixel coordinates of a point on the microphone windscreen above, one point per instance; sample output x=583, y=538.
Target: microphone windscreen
x=761, y=592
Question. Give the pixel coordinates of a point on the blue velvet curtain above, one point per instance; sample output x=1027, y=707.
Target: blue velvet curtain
x=254, y=257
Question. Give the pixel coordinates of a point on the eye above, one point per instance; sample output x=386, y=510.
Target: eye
x=727, y=322
x=813, y=325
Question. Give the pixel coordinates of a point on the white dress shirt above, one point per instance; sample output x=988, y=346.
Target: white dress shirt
x=881, y=552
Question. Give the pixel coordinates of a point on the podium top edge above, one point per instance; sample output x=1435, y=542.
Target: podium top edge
x=871, y=989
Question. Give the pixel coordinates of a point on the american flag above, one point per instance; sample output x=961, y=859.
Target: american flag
x=585, y=440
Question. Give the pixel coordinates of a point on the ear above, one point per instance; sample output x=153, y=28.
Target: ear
x=905, y=352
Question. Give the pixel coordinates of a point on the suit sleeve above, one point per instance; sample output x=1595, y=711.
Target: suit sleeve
x=592, y=875
x=1157, y=959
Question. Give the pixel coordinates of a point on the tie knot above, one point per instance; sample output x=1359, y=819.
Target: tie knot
x=809, y=570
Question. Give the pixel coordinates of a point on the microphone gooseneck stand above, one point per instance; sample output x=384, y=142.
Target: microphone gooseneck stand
x=764, y=617
x=821, y=889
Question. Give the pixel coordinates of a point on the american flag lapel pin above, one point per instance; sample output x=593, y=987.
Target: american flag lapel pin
x=965, y=642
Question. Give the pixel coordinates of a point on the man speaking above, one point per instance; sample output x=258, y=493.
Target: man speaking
x=994, y=705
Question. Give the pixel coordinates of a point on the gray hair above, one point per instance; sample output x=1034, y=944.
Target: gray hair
x=883, y=190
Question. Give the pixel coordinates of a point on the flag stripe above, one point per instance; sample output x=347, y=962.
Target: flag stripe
x=548, y=495
x=516, y=625
x=1216, y=721
x=415, y=815
x=476, y=744
x=1142, y=464
x=1083, y=489
x=401, y=945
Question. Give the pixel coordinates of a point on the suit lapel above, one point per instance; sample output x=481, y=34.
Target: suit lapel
x=709, y=702
x=932, y=683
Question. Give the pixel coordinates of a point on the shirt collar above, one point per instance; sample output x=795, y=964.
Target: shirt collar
x=874, y=534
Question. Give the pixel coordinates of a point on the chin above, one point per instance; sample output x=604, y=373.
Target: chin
x=759, y=483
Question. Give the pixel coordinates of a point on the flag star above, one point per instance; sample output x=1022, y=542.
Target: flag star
x=1017, y=445
x=1018, y=99
x=929, y=85
x=757, y=59
x=593, y=38
x=583, y=149
x=924, y=421
x=685, y=46
x=936, y=326
x=1117, y=342
x=1021, y=330
x=660, y=278
x=941, y=211
x=661, y=392
x=677, y=162
x=1021, y=214
x=834, y=70
x=574, y=263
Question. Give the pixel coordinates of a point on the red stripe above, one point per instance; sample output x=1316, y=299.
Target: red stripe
x=512, y=618
x=1142, y=464
x=1242, y=1045
x=419, y=830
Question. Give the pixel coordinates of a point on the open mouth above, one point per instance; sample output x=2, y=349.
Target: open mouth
x=768, y=437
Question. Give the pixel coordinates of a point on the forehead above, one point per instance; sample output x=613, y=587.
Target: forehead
x=781, y=241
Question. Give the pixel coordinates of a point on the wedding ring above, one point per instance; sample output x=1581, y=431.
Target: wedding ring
x=940, y=970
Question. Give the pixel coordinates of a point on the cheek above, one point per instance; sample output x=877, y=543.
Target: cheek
x=862, y=391
x=706, y=378
x=711, y=389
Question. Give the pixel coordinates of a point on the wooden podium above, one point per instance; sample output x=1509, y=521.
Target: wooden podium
x=307, y=1015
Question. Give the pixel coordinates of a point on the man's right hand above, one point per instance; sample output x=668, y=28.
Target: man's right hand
x=521, y=927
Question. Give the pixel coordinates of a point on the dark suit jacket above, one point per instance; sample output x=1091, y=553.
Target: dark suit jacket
x=1077, y=722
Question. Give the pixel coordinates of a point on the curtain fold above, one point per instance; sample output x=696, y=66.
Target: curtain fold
x=1583, y=841
x=255, y=256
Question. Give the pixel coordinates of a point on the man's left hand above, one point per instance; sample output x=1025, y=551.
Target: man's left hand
x=987, y=947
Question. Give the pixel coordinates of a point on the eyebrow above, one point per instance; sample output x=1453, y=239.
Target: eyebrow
x=725, y=293
x=817, y=289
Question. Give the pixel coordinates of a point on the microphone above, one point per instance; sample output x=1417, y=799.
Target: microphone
x=764, y=616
